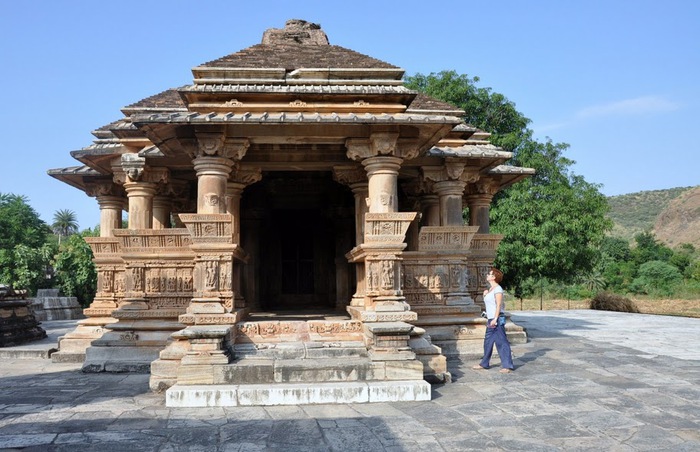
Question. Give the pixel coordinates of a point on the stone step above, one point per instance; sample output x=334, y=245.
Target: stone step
x=272, y=371
x=225, y=395
x=301, y=350
x=265, y=371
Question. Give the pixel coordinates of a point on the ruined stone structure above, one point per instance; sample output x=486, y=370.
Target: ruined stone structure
x=18, y=324
x=295, y=231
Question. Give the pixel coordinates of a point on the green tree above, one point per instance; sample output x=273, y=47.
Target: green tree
x=75, y=271
x=649, y=249
x=656, y=278
x=19, y=223
x=24, y=251
x=64, y=224
x=553, y=222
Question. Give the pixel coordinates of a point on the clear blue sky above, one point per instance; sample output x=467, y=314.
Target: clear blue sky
x=617, y=80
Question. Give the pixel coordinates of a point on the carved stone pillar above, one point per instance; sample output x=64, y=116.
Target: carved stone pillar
x=478, y=197
x=140, y=183
x=382, y=175
x=450, y=194
x=162, y=207
x=213, y=162
x=110, y=214
x=381, y=155
x=355, y=178
x=430, y=207
x=140, y=196
x=450, y=181
x=212, y=173
x=239, y=180
x=111, y=200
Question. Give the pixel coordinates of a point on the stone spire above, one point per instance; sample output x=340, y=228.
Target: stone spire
x=296, y=31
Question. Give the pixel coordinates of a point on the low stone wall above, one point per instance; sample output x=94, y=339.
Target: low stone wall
x=48, y=305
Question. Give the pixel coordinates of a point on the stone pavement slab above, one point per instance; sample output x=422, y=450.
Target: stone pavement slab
x=586, y=380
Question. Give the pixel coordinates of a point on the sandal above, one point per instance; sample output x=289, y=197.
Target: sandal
x=505, y=370
x=478, y=367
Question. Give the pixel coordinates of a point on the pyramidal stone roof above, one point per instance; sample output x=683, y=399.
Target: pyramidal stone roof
x=299, y=44
x=285, y=61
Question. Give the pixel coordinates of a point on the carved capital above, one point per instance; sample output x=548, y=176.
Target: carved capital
x=433, y=173
x=246, y=175
x=235, y=148
x=158, y=176
x=103, y=188
x=485, y=187
x=133, y=167
x=174, y=189
x=450, y=171
x=408, y=150
x=349, y=175
x=454, y=170
x=358, y=149
x=383, y=143
x=209, y=144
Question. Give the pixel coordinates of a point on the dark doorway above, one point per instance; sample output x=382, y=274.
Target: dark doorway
x=296, y=257
x=299, y=227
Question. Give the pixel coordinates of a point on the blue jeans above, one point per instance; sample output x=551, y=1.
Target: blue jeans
x=496, y=336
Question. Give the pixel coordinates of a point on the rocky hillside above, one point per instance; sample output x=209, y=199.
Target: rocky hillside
x=673, y=215
x=679, y=222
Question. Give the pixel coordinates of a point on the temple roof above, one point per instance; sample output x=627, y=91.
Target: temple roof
x=295, y=56
x=297, y=79
x=166, y=100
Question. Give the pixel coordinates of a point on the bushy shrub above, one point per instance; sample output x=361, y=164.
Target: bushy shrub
x=606, y=301
x=656, y=278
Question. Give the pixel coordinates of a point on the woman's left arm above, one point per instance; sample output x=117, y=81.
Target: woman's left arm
x=499, y=303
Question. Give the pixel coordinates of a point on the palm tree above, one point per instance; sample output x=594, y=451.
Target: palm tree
x=64, y=224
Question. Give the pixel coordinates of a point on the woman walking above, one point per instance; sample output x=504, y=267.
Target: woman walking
x=495, y=324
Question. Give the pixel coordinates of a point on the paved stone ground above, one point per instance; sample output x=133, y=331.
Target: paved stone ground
x=586, y=380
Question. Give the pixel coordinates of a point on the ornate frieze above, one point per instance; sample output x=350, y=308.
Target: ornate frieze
x=103, y=247
x=446, y=238
x=153, y=241
x=485, y=244
x=327, y=328
x=209, y=227
x=389, y=228
x=433, y=280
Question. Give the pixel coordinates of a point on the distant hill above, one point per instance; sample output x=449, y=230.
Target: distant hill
x=680, y=220
x=673, y=215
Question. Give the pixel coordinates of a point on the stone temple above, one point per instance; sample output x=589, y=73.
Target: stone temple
x=295, y=232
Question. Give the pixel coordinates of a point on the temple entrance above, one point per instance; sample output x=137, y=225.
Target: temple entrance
x=296, y=256
x=297, y=242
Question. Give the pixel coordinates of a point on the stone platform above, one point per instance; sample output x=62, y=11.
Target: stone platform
x=585, y=380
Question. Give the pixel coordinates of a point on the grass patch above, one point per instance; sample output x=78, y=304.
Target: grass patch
x=675, y=307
